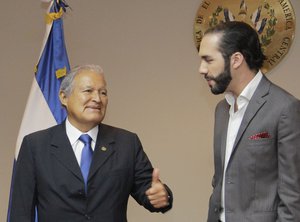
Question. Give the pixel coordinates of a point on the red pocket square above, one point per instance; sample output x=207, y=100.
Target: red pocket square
x=261, y=135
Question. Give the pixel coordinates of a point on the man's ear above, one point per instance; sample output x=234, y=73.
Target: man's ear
x=237, y=59
x=63, y=98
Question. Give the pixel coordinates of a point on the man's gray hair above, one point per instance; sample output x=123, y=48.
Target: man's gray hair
x=67, y=83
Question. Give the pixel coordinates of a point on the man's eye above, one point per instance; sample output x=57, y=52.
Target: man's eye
x=104, y=93
x=88, y=90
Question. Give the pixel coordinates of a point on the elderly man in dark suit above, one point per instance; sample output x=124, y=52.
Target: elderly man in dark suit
x=257, y=132
x=83, y=170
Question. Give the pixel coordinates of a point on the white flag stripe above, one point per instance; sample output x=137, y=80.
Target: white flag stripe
x=37, y=115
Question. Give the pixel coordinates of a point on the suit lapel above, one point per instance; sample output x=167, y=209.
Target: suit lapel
x=224, y=122
x=103, y=149
x=257, y=101
x=62, y=150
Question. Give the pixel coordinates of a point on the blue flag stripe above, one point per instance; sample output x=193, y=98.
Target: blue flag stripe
x=53, y=58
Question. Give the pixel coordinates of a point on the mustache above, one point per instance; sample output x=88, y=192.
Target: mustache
x=208, y=78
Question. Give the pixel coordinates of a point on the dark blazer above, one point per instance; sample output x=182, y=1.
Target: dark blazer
x=262, y=181
x=48, y=176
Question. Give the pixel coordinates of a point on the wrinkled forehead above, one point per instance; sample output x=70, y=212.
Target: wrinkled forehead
x=89, y=77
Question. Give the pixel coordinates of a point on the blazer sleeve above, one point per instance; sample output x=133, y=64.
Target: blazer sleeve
x=23, y=188
x=289, y=163
x=143, y=180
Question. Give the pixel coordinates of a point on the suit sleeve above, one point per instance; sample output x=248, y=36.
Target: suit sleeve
x=289, y=163
x=143, y=180
x=23, y=190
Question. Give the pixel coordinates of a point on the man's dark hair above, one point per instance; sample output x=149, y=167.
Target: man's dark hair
x=240, y=37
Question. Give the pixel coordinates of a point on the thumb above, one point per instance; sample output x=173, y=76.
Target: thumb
x=155, y=175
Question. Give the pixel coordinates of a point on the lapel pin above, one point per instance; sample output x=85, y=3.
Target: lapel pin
x=103, y=148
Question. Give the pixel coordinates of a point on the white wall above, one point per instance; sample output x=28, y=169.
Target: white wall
x=147, y=51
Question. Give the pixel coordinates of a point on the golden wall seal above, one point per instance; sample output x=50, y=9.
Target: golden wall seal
x=274, y=21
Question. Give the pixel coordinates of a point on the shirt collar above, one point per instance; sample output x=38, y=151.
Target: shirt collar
x=247, y=92
x=73, y=133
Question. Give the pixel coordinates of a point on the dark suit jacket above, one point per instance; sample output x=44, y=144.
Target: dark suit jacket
x=48, y=176
x=262, y=180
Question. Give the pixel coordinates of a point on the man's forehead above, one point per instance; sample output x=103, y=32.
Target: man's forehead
x=209, y=42
x=211, y=38
x=89, y=77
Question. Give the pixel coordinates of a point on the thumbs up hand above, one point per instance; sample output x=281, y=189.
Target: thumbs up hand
x=157, y=194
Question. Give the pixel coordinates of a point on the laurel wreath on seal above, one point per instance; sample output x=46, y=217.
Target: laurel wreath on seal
x=270, y=29
x=214, y=18
x=265, y=38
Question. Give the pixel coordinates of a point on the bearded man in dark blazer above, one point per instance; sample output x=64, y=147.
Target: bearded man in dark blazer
x=48, y=175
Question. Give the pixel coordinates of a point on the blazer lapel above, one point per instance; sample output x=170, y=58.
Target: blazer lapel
x=224, y=122
x=257, y=101
x=62, y=150
x=103, y=149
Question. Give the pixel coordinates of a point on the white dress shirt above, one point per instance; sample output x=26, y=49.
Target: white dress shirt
x=235, y=119
x=73, y=134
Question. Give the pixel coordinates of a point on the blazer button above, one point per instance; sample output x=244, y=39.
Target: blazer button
x=81, y=193
x=229, y=181
x=87, y=217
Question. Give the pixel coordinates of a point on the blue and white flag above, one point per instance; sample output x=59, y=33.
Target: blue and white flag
x=43, y=108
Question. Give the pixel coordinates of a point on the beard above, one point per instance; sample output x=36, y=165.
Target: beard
x=221, y=81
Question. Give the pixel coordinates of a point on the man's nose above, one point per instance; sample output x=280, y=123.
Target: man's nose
x=97, y=96
x=202, y=68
